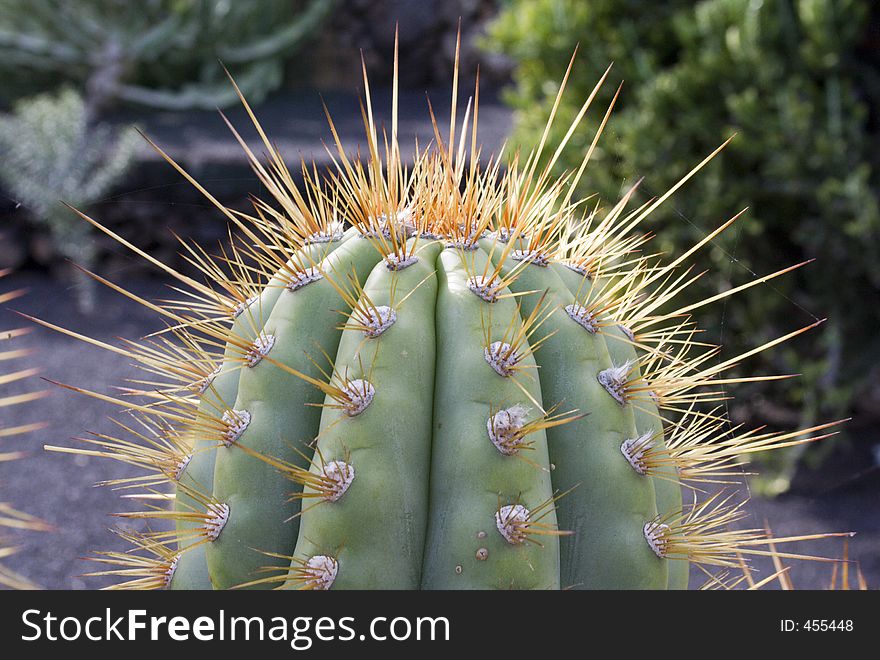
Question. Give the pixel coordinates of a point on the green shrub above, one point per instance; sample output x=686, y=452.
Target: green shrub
x=793, y=80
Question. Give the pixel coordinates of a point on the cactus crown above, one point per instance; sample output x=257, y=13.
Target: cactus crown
x=481, y=383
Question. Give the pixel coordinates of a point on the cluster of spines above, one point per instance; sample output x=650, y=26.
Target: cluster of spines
x=11, y=518
x=447, y=196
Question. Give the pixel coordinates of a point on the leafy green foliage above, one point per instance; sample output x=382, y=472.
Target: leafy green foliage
x=794, y=81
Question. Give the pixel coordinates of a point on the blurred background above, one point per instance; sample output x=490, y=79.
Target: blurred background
x=797, y=81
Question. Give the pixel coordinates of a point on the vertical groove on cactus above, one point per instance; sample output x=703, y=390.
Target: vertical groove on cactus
x=378, y=526
x=284, y=420
x=472, y=484
x=601, y=552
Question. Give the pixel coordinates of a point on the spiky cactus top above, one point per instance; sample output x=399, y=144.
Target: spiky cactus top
x=443, y=375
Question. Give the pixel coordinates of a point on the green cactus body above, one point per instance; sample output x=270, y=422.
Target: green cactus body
x=418, y=404
x=609, y=502
x=216, y=395
x=281, y=419
x=648, y=421
x=473, y=484
x=370, y=502
x=427, y=413
x=647, y=418
x=191, y=571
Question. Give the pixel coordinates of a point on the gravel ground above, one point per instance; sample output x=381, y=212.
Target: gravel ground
x=59, y=488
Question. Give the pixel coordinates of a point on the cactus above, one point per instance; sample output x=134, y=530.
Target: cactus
x=449, y=375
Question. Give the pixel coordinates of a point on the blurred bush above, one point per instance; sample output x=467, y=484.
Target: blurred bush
x=157, y=53
x=49, y=154
x=799, y=81
x=160, y=54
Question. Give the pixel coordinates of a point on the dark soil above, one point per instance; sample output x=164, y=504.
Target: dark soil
x=59, y=488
